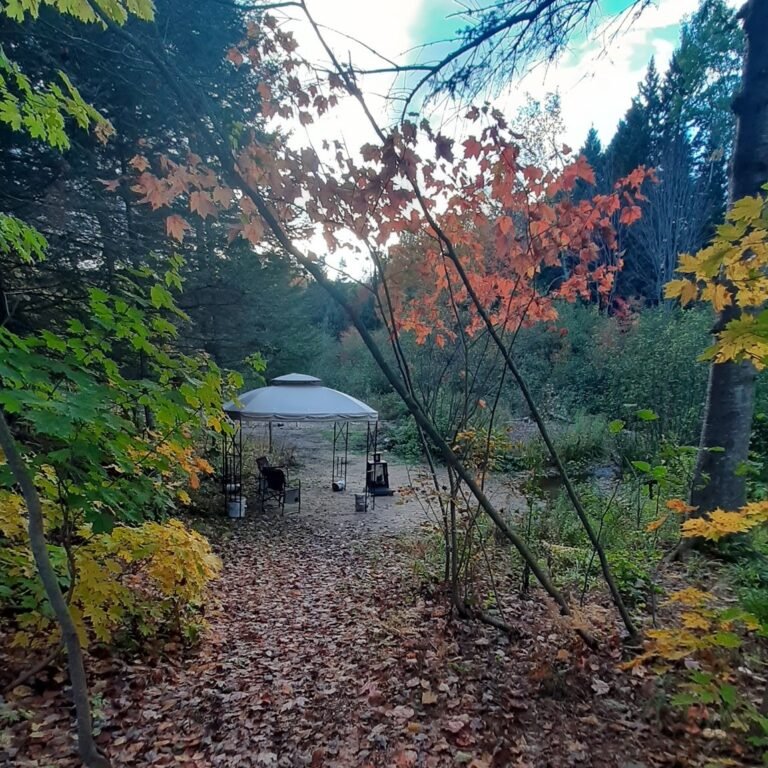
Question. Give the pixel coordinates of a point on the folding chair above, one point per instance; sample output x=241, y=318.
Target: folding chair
x=273, y=485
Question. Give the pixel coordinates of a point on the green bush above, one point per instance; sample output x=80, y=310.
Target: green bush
x=750, y=576
x=586, y=440
x=606, y=366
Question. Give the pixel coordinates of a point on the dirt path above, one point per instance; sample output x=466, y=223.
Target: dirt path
x=311, y=448
x=326, y=648
x=326, y=651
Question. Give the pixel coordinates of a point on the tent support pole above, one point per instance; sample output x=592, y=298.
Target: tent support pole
x=367, y=459
x=224, y=468
x=333, y=459
x=346, y=451
x=232, y=465
x=375, y=451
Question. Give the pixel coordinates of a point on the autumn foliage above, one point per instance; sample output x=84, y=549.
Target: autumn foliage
x=730, y=275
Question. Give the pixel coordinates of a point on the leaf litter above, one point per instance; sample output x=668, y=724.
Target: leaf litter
x=323, y=649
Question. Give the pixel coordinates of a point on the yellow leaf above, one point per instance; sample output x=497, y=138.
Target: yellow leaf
x=747, y=209
x=756, y=510
x=656, y=524
x=690, y=596
x=719, y=524
x=688, y=264
x=685, y=290
x=692, y=620
x=718, y=295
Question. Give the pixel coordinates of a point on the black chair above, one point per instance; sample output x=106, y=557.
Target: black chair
x=273, y=485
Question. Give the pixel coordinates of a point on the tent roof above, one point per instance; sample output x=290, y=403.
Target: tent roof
x=298, y=397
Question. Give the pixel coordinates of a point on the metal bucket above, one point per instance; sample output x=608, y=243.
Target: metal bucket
x=360, y=502
x=236, y=508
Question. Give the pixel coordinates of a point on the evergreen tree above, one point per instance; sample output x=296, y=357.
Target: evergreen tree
x=592, y=149
x=95, y=225
x=651, y=98
x=632, y=143
x=682, y=125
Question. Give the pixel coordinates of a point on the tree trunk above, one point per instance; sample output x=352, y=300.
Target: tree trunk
x=89, y=753
x=730, y=394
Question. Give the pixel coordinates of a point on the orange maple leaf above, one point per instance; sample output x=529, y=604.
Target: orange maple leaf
x=235, y=56
x=472, y=148
x=110, y=184
x=201, y=204
x=223, y=196
x=253, y=231
x=176, y=226
x=139, y=162
x=630, y=214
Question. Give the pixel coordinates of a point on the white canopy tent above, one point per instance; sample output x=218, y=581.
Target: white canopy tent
x=297, y=397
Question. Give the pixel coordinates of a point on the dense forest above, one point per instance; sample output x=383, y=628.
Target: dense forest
x=679, y=123
x=564, y=347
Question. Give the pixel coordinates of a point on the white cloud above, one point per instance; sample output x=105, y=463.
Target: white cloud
x=598, y=78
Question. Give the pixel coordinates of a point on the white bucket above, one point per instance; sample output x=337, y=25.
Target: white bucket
x=338, y=485
x=236, y=507
x=360, y=502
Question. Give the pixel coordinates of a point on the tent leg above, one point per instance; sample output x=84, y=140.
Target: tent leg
x=224, y=469
x=346, y=451
x=232, y=466
x=333, y=458
x=375, y=451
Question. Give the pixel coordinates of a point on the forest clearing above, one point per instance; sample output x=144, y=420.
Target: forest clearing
x=383, y=385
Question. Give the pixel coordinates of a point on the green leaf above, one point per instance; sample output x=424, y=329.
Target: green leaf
x=53, y=342
x=727, y=639
x=646, y=414
x=161, y=297
x=728, y=694
x=684, y=700
x=615, y=426
x=641, y=466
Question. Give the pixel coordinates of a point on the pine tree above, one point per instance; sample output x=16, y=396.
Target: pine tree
x=631, y=144
x=650, y=96
x=592, y=149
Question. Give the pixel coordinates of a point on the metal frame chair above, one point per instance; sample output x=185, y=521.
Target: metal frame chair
x=274, y=485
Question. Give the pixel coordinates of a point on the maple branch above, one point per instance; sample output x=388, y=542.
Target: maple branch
x=449, y=250
x=476, y=42
x=209, y=133
x=537, y=417
x=402, y=361
x=89, y=752
x=259, y=7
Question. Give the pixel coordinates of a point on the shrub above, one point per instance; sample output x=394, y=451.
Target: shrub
x=603, y=365
x=131, y=585
x=585, y=440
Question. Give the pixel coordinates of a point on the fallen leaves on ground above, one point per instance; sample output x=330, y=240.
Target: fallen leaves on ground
x=325, y=651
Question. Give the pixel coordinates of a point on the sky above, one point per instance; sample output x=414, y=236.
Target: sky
x=596, y=77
